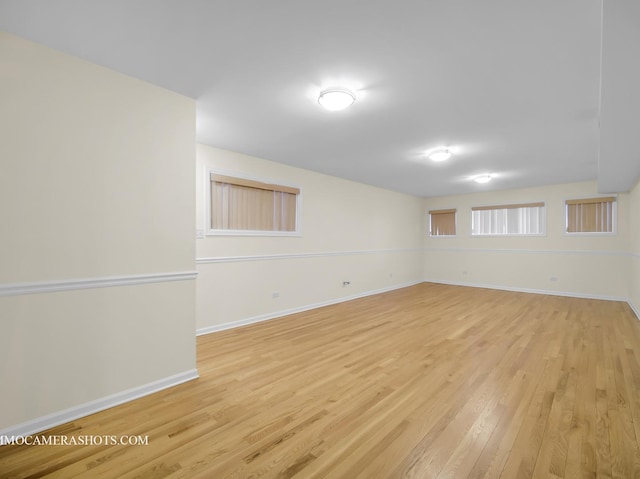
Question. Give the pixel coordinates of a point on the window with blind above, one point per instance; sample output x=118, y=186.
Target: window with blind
x=590, y=215
x=245, y=206
x=442, y=222
x=520, y=219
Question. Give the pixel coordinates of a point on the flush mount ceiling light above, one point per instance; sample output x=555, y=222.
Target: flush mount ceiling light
x=335, y=99
x=483, y=178
x=439, y=154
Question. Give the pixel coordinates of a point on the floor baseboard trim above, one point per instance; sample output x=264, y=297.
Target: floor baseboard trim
x=635, y=310
x=52, y=420
x=300, y=309
x=529, y=290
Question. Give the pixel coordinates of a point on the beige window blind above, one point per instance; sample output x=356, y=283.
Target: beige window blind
x=442, y=222
x=508, y=207
x=590, y=215
x=248, y=205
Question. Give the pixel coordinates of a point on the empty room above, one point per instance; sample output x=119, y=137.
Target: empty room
x=376, y=239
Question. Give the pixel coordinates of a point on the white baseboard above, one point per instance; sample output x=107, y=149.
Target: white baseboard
x=528, y=290
x=541, y=291
x=285, y=312
x=51, y=420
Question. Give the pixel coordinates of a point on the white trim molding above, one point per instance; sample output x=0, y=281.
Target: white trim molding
x=91, y=283
x=541, y=291
x=531, y=251
x=325, y=254
x=52, y=420
x=285, y=256
x=286, y=312
x=529, y=290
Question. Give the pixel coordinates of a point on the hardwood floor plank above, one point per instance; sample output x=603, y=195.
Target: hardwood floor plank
x=431, y=381
x=627, y=460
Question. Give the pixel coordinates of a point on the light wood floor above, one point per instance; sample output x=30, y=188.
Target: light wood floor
x=431, y=381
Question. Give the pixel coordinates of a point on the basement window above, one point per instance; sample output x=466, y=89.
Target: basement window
x=528, y=219
x=442, y=222
x=243, y=206
x=591, y=215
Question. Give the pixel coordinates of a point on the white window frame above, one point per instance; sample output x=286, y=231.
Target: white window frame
x=523, y=235
x=614, y=217
x=217, y=232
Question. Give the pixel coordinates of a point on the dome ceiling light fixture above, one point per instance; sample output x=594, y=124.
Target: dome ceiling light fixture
x=439, y=154
x=336, y=99
x=483, y=178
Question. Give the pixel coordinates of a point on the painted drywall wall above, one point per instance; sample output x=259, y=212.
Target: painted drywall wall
x=96, y=185
x=593, y=266
x=634, y=265
x=349, y=232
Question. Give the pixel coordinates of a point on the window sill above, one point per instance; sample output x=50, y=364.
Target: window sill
x=252, y=233
x=591, y=233
x=537, y=235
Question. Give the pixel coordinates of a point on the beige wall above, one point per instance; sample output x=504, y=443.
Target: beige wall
x=635, y=248
x=578, y=265
x=350, y=232
x=96, y=181
x=371, y=237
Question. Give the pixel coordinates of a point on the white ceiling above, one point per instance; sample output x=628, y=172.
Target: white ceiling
x=513, y=86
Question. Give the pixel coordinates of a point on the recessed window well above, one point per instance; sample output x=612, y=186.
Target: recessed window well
x=335, y=99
